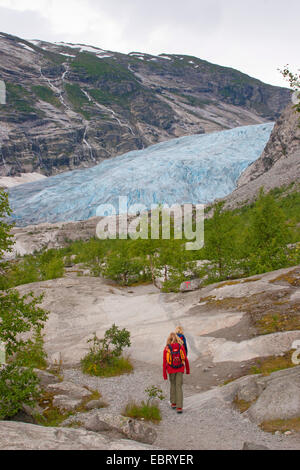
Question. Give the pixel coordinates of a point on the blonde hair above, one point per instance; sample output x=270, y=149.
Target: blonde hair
x=173, y=338
x=179, y=330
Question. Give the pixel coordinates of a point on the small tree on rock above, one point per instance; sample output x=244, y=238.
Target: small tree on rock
x=18, y=315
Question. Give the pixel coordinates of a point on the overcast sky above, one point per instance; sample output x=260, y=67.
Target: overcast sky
x=254, y=36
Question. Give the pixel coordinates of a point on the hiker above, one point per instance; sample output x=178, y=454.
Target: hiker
x=174, y=361
x=179, y=332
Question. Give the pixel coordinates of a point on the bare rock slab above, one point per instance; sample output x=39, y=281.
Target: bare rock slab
x=24, y=436
x=65, y=403
x=98, y=421
x=69, y=389
x=280, y=400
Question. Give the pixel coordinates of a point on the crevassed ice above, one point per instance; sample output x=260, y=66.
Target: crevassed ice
x=194, y=169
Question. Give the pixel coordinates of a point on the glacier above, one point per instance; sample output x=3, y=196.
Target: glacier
x=192, y=169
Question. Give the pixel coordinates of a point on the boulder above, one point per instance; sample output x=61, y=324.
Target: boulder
x=98, y=421
x=65, y=403
x=249, y=389
x=27, y=414
x=279, y=400
x=94, y=404
x=69, y=389
x=95, y=424
x=23, y=436
x=46, y=378
x=32, y=411
x=131, y=428
x=190, y=286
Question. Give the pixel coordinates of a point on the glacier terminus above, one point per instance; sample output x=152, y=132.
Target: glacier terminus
x=192, y=169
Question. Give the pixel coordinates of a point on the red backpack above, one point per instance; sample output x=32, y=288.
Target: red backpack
x=175, y=357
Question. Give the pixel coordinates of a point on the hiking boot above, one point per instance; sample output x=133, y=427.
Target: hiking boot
x=179, y=410
x=173, y=406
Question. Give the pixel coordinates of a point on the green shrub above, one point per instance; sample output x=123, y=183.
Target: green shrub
x=17, y=387
x=18, y=315
x=53, y=269
x=104, y=357
x=33, y=268
x=33, y=354
x=154, y=393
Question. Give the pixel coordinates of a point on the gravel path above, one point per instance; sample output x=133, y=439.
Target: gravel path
x=214, y=425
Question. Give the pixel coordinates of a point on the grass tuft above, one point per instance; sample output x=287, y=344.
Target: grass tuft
x=242, y=405
x=283, y=425
x=117, y=366
x=143, y=411
x=273, y=364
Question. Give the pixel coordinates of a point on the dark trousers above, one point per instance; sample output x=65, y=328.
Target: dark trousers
x=176, y=394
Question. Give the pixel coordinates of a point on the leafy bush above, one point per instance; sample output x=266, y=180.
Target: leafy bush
x=33, y=353
x=33, y=268
x=17, y=386
x=154, y=393
x=52, y=269
x=18, y=315
x=104, y=357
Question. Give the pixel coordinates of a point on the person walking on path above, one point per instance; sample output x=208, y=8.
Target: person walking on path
x=179, y=332
x=174, y=362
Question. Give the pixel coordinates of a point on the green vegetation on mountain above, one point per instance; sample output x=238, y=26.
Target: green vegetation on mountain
x=46, y=94
x=89, y=64
x=78, y=99
x=19, y=99
x=106, y=98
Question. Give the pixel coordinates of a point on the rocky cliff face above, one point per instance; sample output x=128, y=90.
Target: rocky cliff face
x=71, y=106
x=279, y=164
x=284, y=143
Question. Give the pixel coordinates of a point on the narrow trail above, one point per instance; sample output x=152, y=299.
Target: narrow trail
x=211, y=426
x=172, y=315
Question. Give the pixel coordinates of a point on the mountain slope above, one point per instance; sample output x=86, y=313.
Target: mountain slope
x=70, y=106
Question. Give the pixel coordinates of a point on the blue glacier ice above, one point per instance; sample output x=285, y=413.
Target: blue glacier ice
x=193, y=169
